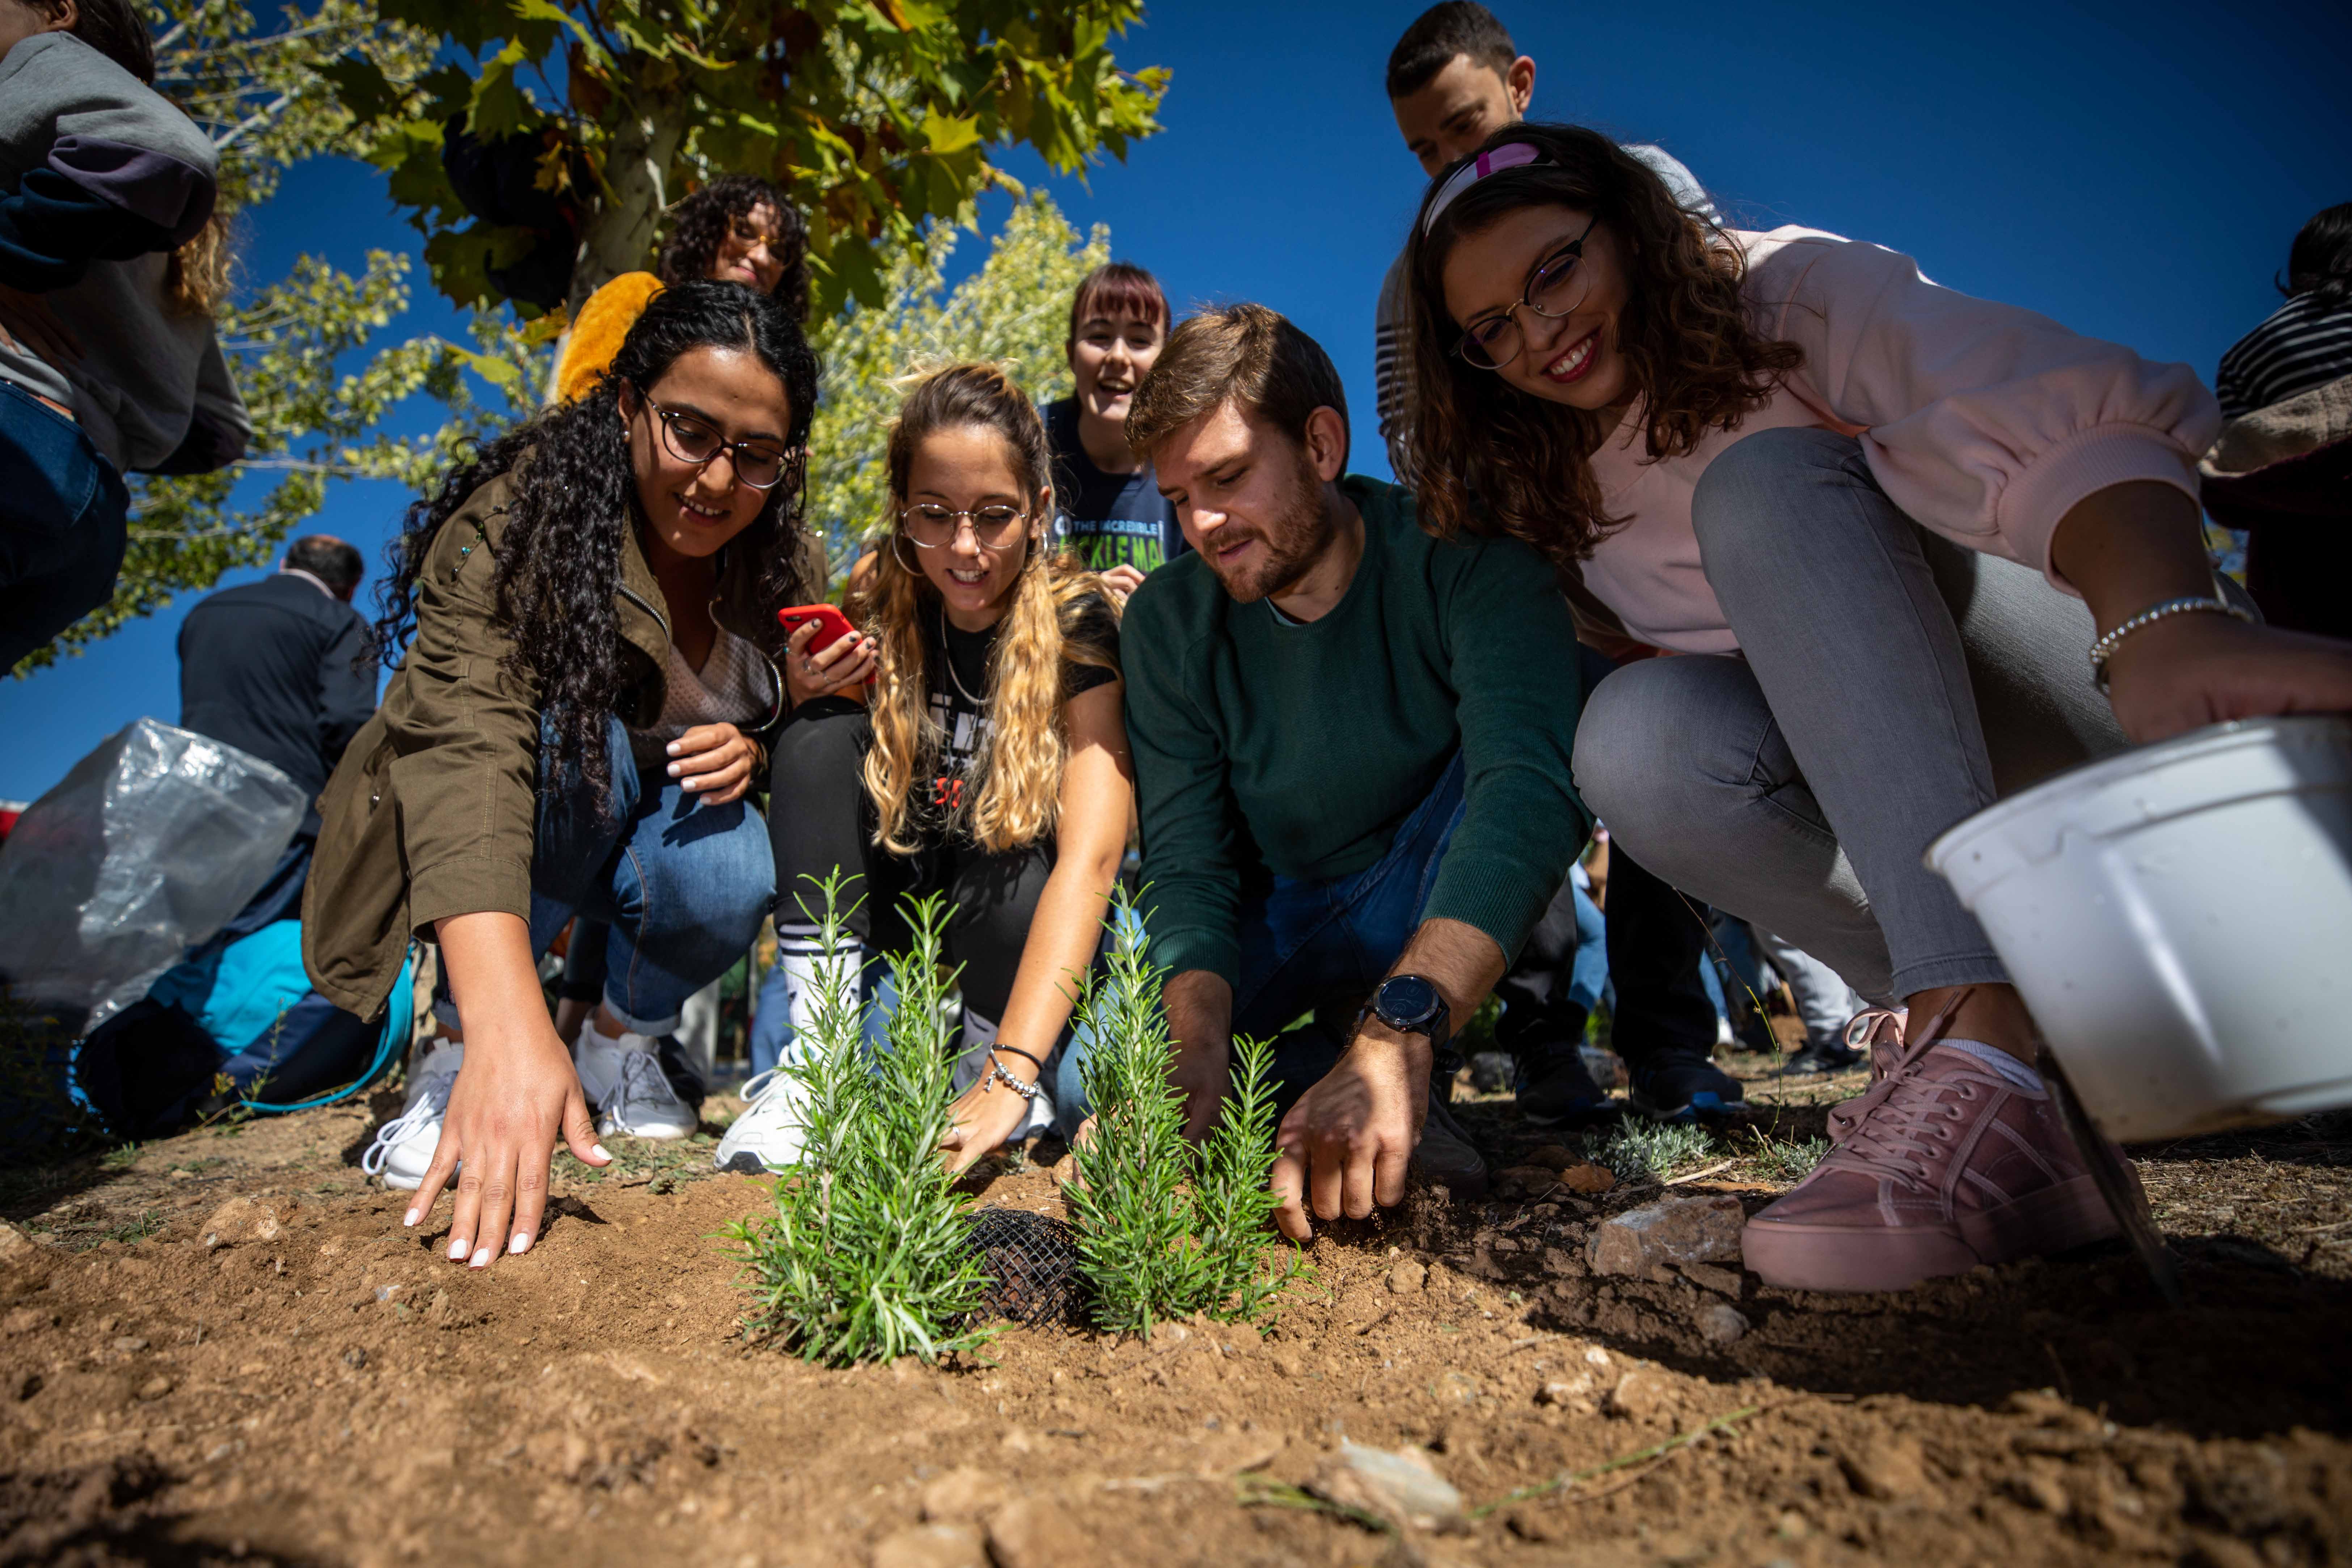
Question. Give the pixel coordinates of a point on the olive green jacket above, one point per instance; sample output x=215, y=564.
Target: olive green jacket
x=433, y=809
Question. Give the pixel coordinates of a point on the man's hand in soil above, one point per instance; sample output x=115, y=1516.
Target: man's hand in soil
x=516, y=1096
x=1349, y=1141
x=1200, y=1007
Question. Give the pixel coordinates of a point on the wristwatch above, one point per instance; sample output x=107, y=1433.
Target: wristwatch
x=1412, y=1005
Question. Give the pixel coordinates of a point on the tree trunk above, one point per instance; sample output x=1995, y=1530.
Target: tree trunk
x=619, y=233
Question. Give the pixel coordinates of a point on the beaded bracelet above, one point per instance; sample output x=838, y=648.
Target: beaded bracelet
x=2105, y=649
x=997, y=1073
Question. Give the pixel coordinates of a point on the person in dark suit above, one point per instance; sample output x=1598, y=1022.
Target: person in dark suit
x=283, y=670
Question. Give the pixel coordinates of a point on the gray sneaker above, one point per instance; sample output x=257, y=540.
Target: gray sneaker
x=1446, y=1158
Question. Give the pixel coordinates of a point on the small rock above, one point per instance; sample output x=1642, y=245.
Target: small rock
x=1525, y=1181
x=1402, y=1487
x=960, y=1496
x=1588, y=1179
x=1677, y=1230
x=246, y=1219
x=1640, y=1395
x=355, y=1358
x=1710, y=1276
x=27, y=1320
x=2036, y=1489
x=1569, y=1392
x=931, y=1546
x=129, y=1344
x=1886, y=1471
x=155, y=1387
x=15, y=1246
x=1721, y=1324
x=1166, y=1335
x=1408, y=1277
x=1031, y=1533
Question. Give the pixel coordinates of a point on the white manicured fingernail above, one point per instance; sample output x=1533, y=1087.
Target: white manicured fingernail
x=482, y=1258
x=671, y=748
x=599, y=1151
x=675, y=768
x=456, y=1249
x=409, y=1218
x=521, y=1239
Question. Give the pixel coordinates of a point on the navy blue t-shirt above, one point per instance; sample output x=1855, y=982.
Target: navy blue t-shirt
x=1106, y=519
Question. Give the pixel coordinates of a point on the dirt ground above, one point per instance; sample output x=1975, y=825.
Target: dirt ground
x=300, y=1380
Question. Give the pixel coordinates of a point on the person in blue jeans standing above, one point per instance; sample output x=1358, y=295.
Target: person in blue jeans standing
x=1350, y=744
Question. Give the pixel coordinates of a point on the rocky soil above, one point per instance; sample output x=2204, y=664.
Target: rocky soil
x=224, y=1348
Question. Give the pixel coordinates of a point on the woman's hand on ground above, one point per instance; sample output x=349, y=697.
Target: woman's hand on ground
x=514, y=1099
x=2187, y=670
x=841, y=668
x=713, y=761
x=1123, y=579
x=983, y=1118
x=27, y=318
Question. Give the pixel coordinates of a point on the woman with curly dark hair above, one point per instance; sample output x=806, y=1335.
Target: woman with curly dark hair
x=1835, y=488
x=589, y=608
x=737, y=229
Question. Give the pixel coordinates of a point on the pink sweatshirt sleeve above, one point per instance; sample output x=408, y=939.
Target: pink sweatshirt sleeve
x=1985, y=422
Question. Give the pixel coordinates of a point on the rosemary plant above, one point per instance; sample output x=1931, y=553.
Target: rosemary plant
x=868, y=1256
x=1166, y=1229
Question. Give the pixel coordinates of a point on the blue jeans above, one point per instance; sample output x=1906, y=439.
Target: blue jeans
x=682, y=885
x=1313, y=949
x=63, y=517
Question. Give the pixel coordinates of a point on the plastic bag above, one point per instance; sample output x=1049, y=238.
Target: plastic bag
x=145, y=849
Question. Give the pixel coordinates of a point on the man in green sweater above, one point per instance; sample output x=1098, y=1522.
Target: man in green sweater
x=1351, y=751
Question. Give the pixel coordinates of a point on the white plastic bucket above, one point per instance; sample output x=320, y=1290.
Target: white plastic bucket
x=2179, y=919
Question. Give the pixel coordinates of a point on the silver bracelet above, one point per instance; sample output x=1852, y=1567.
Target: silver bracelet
x=2105, y=649
x=997, y=1073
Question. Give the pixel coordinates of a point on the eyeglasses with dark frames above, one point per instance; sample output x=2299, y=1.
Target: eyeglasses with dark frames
x=691, y=439
x=1556, y=287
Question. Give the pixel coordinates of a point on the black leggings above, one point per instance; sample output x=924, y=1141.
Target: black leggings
x=821, y=819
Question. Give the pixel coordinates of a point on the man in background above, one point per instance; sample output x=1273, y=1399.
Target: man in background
x=283, y=670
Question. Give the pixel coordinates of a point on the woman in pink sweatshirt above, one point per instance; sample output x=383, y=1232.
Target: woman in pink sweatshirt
x=1885, y=523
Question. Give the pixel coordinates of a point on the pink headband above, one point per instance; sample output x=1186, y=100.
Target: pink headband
x=1509, y=155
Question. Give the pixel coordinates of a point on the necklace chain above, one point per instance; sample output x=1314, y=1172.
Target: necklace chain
x=947, y=656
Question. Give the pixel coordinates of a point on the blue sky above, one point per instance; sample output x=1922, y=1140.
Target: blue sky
x=2135, y=171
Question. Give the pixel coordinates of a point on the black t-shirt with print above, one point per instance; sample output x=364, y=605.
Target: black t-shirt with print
x=959, y=680
x=1106, y=519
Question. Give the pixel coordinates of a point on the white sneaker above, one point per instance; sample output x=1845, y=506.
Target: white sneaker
x=767, y=1136
x=641, y=1104
x=596, y=1057
x=403, y=1150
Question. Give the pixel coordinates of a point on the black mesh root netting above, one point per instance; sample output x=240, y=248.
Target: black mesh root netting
x=1033, y=1259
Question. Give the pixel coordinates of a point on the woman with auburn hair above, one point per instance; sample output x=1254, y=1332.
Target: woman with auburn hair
x=988, y=762
x=1837, y=488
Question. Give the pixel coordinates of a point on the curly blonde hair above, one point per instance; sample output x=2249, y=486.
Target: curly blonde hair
x=1487, y=455
x=1013, y=794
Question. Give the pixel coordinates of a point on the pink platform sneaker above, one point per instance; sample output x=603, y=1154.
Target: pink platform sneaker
x=1943, y=1165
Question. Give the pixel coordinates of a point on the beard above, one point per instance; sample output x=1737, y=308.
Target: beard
x=1295, y=538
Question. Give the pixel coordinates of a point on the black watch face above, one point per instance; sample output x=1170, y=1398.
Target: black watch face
x=1407, y=1000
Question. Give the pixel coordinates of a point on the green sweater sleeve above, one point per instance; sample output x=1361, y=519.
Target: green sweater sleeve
x=1511, y=642
x=1193, y=897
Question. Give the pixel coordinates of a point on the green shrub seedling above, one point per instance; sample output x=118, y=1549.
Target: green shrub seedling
x=868, y=1256
x=1166, y=1229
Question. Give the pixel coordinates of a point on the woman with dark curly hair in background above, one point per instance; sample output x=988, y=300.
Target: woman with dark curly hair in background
x=737, y=229
x=574, y=727
x=1836, y=489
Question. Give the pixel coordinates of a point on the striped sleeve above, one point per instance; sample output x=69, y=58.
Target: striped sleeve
x=2303, y=344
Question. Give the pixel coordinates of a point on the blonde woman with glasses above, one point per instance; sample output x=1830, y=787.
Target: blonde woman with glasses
x=988, y=762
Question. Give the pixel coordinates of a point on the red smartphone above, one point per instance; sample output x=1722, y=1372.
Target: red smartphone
x=831, y=624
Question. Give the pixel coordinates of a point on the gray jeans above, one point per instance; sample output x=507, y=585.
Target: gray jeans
x=1889, y=683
